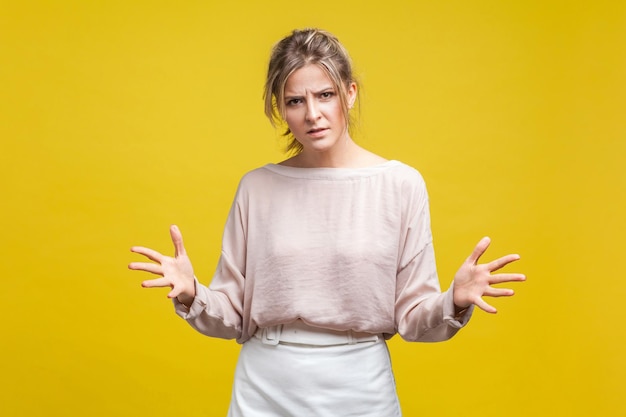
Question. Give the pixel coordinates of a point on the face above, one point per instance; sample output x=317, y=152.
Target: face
x=313, y=109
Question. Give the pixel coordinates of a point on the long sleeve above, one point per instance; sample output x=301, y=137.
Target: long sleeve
x=423, y=313
x=217, y=310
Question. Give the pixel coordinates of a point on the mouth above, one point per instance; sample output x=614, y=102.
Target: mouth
x=316, y=131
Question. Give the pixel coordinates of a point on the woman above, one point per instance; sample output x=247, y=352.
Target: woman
x=324, y=256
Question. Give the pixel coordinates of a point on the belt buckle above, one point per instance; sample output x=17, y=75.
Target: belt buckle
x=271, y=335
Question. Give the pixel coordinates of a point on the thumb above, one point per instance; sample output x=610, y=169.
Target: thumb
x=177, y=240
x=478, y=251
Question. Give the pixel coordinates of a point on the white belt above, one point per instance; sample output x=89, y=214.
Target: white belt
x=301, y=334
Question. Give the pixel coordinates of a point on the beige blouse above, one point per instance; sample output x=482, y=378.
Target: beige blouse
x=338, y=248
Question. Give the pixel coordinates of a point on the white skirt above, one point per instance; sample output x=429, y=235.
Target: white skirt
x=278, y=378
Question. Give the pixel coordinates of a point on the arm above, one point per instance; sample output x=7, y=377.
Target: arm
x=213, y=312
x=430, y=316
x=423, y=312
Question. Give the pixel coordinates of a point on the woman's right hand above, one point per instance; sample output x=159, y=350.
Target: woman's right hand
x=176, y=273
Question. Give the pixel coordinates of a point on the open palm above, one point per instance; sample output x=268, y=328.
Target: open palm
x=175, y=272
x=473, y=281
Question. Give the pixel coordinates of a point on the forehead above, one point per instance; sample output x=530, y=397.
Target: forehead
x=311, y=77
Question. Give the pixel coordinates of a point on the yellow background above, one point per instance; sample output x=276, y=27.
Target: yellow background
x=118, y=118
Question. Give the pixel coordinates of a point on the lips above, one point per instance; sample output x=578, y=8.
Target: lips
x=316, y=132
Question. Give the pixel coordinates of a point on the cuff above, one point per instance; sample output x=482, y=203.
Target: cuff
x=449, y=315
x=198, y=305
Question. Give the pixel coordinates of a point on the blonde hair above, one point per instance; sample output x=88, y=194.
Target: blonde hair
x=301, y=48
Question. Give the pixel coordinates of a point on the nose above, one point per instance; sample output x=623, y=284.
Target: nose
x=312, y=112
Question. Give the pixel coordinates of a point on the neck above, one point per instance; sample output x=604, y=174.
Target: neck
x=349, y=155
x=342, y=155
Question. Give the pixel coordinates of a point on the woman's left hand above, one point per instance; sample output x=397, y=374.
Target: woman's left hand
x=473, y=281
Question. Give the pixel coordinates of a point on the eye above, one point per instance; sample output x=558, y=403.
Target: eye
x=327, y=94
x=294, y=101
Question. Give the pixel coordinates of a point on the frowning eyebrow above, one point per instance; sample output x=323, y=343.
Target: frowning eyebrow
x=290, y=95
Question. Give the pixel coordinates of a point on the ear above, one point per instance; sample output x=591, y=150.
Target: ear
x=352, y=90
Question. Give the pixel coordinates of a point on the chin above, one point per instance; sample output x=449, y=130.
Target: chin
x=318, y=149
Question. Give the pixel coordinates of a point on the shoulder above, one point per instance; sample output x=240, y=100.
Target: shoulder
x=407, y=171
x=406, y=174
x=257, y=180
x=256, y=175
x=409, y=184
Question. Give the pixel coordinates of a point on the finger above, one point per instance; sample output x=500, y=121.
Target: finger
x=500, y=278
x=480, y=248
x=157, y=283
x=177, y=239
x=480, y=303
x=498, y=292
x=147, y=267
x=149, y=253
x=502, y=262
x=175, y=292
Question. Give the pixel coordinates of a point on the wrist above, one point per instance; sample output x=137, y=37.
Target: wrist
x=185, y=299
x=459, y=311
